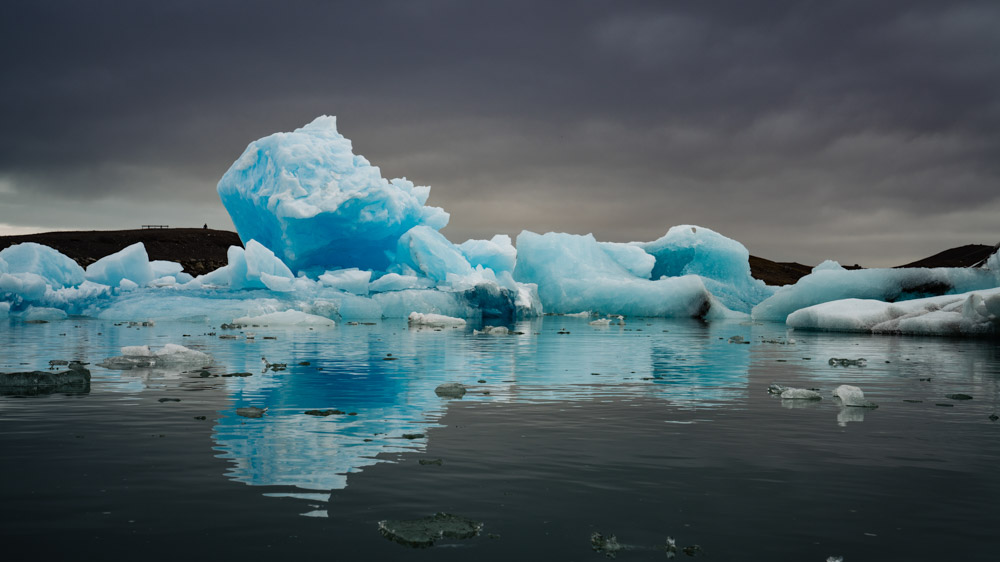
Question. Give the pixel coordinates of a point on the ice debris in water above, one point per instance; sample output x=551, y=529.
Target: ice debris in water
x=845, y=362
x=601, y=322
x=450, y=390
x=608, y=546
x=492, y=331
x=800, y=394
x=251, y=412
x=434, y=320
x=171, y=355
x=852, y=396
x=423, y=532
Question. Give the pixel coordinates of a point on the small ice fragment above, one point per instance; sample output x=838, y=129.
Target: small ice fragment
x=609, y=546
x=601, y=322
x=434, y=320
x=251, y=412
x=492, y=331
x=800, y=394
x=852, y=396
x=775, y=388
x=844, y=362
x=422, y=532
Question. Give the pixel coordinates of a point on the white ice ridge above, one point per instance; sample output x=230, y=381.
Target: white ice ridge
x=975, y=313
x=830, y=282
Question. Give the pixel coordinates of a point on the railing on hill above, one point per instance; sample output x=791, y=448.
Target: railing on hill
x=151, y=226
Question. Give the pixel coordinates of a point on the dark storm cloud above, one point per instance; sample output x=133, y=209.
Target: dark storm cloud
x=834, y=120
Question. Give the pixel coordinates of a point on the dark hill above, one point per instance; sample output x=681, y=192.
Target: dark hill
x=963, y=256
x=199, y=250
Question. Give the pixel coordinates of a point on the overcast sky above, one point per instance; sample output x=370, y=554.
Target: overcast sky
x=867, y=132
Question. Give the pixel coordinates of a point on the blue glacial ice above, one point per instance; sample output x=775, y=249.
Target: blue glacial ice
x=58, y=270
x=722, y=263
x=326, y=236
x=310, y=199
x=575, y=273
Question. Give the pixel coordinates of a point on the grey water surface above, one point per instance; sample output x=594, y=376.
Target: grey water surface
x=654, y=429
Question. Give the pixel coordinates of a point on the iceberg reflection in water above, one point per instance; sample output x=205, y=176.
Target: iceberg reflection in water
x=375, y=382
x=381, y=380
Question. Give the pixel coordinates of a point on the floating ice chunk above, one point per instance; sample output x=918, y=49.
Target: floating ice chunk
x=723, y=264
x=399, y=304
x=434, y=320
x=41, y=314
x=888, y=285
x=131, y=263
x=429, y=253
x=574, y=273
x=190, y=306
x=800, y=394
x=397, y=282
x=137, y=351
x=171, y=355
x=852, y=396
x=496, y=253
x=583, y=314
x=968, y=314
x=423, y=532
x=306, y=195
x=286, y=318
x=601, y=322
x=57, y=269
x=351, y=280
x=492, y=331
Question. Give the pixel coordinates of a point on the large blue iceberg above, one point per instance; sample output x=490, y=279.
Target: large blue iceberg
x=326, y=236
x=311, y=200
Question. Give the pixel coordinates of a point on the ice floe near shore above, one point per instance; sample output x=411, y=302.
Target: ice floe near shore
x=326, y=237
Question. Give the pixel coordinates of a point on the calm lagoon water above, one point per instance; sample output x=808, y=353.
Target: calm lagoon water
x=653, y=429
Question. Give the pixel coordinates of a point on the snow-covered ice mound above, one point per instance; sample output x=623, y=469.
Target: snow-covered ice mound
x=830, y=282
x=310, y=199
x=975, y=313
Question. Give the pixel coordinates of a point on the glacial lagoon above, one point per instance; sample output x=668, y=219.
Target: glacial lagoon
x=653, y=429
